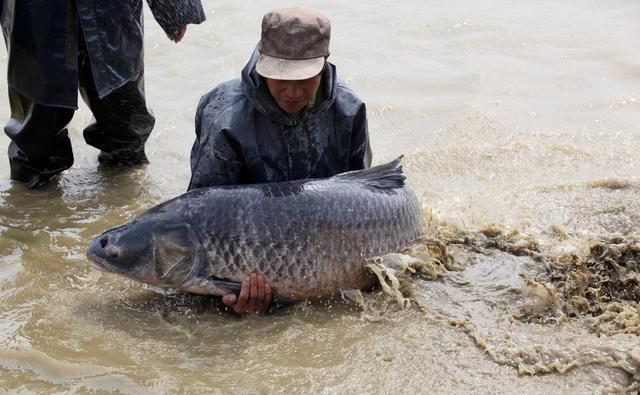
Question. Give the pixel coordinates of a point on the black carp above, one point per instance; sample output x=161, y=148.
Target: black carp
x=309, y=238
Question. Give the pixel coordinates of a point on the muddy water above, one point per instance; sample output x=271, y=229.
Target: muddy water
x=513, y=116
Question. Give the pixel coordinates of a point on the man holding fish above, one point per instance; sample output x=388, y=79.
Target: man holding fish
x=286, y=118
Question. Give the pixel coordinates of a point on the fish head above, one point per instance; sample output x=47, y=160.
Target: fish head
x=158, y=252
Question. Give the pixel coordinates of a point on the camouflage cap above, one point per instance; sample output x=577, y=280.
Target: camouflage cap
x=294, y=44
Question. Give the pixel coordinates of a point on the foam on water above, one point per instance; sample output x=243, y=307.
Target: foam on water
x=523, y=308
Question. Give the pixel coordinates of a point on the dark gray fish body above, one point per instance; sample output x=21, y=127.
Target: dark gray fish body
x=309, y=238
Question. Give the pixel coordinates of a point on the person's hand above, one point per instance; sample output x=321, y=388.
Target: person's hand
x=255, y=296
x=178, y=35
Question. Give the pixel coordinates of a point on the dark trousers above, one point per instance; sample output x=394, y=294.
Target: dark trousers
x=40, y=147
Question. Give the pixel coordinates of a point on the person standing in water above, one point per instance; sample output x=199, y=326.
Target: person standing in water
x=287, y=118
x=56, y=47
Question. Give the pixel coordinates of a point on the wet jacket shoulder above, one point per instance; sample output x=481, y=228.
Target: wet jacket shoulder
x=216, y=113
x=351, y=110
x=243, y=137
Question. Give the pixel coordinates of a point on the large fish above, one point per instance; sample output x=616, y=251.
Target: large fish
x=309, y=238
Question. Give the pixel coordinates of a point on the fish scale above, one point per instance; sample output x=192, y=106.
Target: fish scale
x=309, y=238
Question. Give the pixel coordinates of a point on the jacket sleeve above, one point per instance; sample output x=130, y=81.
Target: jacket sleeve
x=172, y=15
x=215, y=157
x=360, y=154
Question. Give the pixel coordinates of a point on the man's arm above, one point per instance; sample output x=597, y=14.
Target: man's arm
x=360, y=155
x=174, y=15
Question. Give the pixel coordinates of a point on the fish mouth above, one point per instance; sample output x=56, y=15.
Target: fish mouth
x=98, y=262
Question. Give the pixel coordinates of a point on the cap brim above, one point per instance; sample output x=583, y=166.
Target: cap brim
x=287, y=69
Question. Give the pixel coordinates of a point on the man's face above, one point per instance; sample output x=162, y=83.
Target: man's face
x=293, y=96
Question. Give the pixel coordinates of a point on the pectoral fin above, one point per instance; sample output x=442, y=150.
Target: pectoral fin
x=213, y=286
x=220, y=286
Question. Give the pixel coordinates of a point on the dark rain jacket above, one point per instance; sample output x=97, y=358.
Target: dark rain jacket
x=243, y=137
x=42, y=42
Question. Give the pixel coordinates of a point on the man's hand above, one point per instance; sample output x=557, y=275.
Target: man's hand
x=255, y=296
x=177, y=36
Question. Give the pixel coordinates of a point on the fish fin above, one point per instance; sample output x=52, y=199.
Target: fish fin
x=226, y=286
x=353, y=295
x=233, y=287
x=386, y=176
x=281, y=300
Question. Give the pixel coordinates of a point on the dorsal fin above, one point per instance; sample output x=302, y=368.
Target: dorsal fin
x=387, y=176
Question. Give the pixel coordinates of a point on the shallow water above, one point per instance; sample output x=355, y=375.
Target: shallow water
x=520, y=114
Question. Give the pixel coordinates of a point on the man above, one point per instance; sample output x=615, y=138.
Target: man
x=287, y=118
x=56, y=47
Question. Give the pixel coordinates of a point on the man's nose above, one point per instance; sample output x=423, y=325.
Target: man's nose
x=294, y=90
